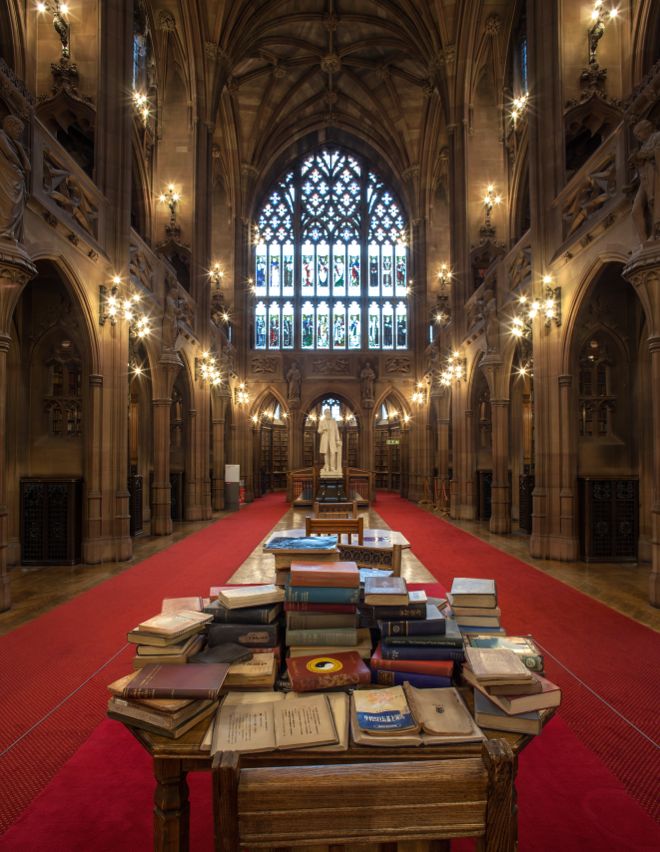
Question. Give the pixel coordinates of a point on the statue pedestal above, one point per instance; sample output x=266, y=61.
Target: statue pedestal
x=331, y=489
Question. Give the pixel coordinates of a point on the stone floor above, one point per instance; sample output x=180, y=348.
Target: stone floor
x=620, y=586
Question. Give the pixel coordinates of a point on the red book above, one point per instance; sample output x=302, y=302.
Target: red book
x=340, y=575
x=327, y=671
x=194, y=680
x=438, y=668
x=302, y=606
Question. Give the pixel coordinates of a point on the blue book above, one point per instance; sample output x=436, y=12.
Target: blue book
x=451, y=638
x=468, y=629
x=433, y=625
x=314, y=542
x=420, y=652
x=321, y=594
x=421, y=681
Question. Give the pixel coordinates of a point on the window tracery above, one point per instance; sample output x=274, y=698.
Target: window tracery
x=597, y=399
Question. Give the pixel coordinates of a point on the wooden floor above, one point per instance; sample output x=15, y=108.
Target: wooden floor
x=620, y=586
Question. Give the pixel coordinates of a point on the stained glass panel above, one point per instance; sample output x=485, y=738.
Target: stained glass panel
x=401, y=271
x=374, y=326
x=308, y=269
x=388, y=326
x=274, y=326
x=287, y=270
x=261, y=266
x=287, y=326
x=307, y=325
x=401, y=326
x=322, y=326
x=322, y=270
x=387, y=282
x=339, y=326
x=354, y=270
x=274, y=285
x=354, y=327
x=339, y=270
x=260, y=326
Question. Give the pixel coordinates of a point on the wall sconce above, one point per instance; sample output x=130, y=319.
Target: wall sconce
x=549, y=307
x=172, y=198
x=59, y=11
x=419, y=394
x=141, y=104
x=444, y=276
x=241, y=394
x=112, y=306
x=216, y=275
x=206, y=369
x=455, y=370
x=491, y=199
x=597, y=28
x=518, y=106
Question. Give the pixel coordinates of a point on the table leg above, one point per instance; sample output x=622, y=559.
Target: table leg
x=171, y=807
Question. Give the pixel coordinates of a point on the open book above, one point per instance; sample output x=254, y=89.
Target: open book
x=268, y=721
x=440, y=713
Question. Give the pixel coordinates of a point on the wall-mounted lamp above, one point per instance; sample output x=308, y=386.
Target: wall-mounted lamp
x=444, y=276
x=216, y=275
x=206, y=369
x=141, y=104
x=419, y=394
x=241, y=394
x=549, y=307
x=113, y=306
x=491, y=199
x=172, y=198
x=60, y=12
x=518, y=106
x=455, y=370
x=599, y=17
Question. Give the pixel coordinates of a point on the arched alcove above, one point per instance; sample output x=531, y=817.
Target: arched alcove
x=349, y=429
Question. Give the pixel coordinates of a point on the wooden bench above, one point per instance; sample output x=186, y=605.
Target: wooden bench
x=372, y=557
x=342, y=807
x=335, y=510
x=335, y=526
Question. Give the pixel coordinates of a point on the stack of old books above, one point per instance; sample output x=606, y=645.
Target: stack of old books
x=508, y=696
x=474, y=605
x=321, y=610
x=170, y=637
x=245, y=633
x=418, y=643
x=167, y=700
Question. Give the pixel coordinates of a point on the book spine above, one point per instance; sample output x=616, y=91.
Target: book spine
x=156, y=692
x=476, y=621
x=421, y=653
x=435, y=627
x=304, y=606
x=426, y=641
x=260, y=635
x=421, y=681
x=326, y=580
x=311, y=682
x=248, y=615
x=465, y=628
x=321, y=594
x=436, y=668
x=336, y=636
x=319, y=620
x=391, y=613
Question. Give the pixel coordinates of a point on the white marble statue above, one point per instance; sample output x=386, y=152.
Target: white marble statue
x=330, y=447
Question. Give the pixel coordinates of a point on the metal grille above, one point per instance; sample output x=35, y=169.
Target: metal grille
x=526, y=489
x=32, y=543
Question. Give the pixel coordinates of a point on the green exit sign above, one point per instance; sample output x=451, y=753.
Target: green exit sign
x=393, y=442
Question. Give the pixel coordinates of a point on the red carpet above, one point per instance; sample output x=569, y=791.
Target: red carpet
x=71, y=653
x=605, y=651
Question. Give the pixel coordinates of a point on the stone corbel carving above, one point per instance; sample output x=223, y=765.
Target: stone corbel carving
x=14, y=172
x=646, y=206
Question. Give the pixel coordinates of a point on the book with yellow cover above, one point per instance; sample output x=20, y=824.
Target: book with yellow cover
x=173, y=623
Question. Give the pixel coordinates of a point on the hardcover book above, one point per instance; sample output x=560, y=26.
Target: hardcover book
x=305, y=606
x=324, y=636
x=245, y=615
x=251, y=635
x=176, y=604
x=295, y=722
x=184, y=648
x=125, y=711
x=382, y=712
x=437, y=668
x=190, y=681
x=331, y=574
x=415, y=611
x=421, y=681
x=164, y=705
x=547, y=695
x=432, y=625
x=470, y=591
x=489, y=715
x=451, y=638
x=385, y=591
x=524, y=646
x=141, y=660
x=229, y=652
x=318, y=594
x=476, y=621
x=419, y=652
x=236, y=597
x=143, y=637
x=257, y=673
x=171, y=624
x=327, y=671
x=496, y=665
x=319, y=620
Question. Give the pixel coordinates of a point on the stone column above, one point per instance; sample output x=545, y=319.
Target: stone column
x=161, y=499
x=16, y=270
x=569, y=540
x=500, y=519
x=366, y=454
x=441, y=402
x=218, y=402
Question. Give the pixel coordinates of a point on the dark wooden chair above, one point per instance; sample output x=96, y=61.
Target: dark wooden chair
x=372, y=557
x=345, y=805
x=335, y=510
x=335, y=526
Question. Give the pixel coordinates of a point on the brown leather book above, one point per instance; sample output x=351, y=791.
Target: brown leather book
x=330, y=574
x=195, y=680
x=327, y=671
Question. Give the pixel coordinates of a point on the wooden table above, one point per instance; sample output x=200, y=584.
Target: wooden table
x=173, y=759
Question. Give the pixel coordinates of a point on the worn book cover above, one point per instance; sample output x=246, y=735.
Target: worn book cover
x=489, y=715
x=472, y=591
x=319, y=594
x=177, y=604
x=440, y=712
x=163, y=705
x=229, y=652
x=181, y=659
x=433, y=625
x=118, y=711
x=393, y=678
x=251, y=635
x=319, y=620
x=189, y=681
x=184, y=648
x=437, y=668
x=322, y=636
x=327, y=671
x=174, y=623
x=308, y=606
x=384, y=711
x=524, y=646
x=266, y=614
x=385, y=591
x=420, y=652
x=451, y=638
x=493, y=665
x=237, y=597
x=256, y=673
x=329, y=574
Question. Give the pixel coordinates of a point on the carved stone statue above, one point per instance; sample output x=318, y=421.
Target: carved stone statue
x=226, y=362
x=646, y=206
x=171, y=318
x=14, y=170
x=294, y=381
x=330, y=447
x=432, y=365
x=491, y=323
x=367, y=378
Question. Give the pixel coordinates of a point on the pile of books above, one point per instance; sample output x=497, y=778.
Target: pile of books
x=245, y=633
x=169, y=637
x=418, y=643
x=474, y=605
x=321, y=610
x=167, y=700
x=508, y=696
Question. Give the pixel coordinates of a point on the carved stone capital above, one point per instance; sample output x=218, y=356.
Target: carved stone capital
x=15, y=263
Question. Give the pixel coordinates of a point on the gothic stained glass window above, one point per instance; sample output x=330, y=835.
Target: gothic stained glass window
x=330, y=259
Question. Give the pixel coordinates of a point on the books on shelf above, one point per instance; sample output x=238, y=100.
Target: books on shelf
x=297, y=722
x=472, y=591
x=172, y=624
x=489, y=715
x=330, y=671
x=524, y=646
x=190, y=681
x=327, y=575
x=235, y=597
x=440, y=713
x=385, y=591
x=496, y=665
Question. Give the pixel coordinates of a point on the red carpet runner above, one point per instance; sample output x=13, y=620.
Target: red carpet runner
x=568, y=798
x=67, y=656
